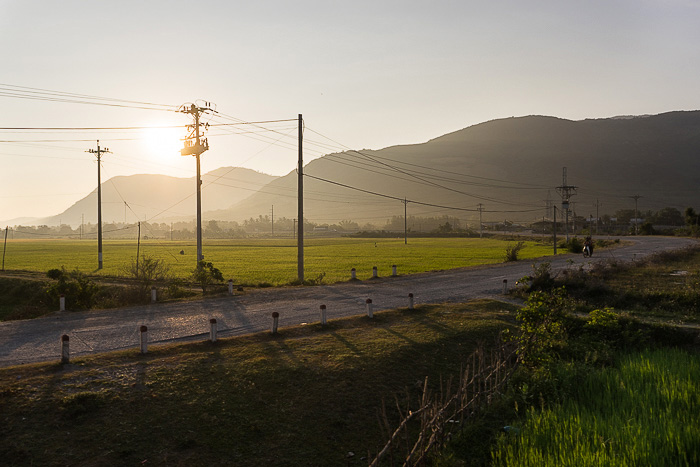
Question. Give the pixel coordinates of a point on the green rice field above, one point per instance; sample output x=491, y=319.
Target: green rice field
x=272, y=261
x=645, y=412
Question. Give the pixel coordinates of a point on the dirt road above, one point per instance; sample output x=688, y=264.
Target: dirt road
x=102, y=331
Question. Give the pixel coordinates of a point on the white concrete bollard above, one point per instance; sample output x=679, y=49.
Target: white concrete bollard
x=353, y=274
x=144, y=339
x=374, y=271
x=393, y=270
x=212, y=330
x=369, y=308
x=153, y=295
x=410, y=301
x=62, y=303
x=275, y=322
x=505, y=286
x=323, y=315
x=65, y=349
x=230, y=286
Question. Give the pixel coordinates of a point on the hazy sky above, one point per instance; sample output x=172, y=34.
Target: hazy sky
x=365, y=74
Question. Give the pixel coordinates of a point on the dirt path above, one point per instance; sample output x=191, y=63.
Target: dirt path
x=102, y=331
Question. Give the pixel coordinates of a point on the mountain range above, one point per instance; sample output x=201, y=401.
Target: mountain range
x=508, y=168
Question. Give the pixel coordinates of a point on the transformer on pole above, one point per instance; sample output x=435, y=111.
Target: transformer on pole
x=195, y=145
x=99, y=153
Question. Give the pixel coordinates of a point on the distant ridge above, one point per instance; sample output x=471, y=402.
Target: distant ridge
x=509, y=166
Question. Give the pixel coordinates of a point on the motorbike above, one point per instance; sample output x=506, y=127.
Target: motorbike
x=587, y=251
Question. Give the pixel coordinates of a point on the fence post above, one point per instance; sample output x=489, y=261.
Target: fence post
x=369, y=308
x=410, y=301
x=153, y=294
x=323, y=315
x=505, y=286
x=374, y=271
x=65, y=349
x=212, y=329
x=275, y=322
x=230, y=286
x=62, y=303
x=144, y=339
x=393, y=270
x=353, y=274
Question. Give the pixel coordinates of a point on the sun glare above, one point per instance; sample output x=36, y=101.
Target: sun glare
x=162, y=144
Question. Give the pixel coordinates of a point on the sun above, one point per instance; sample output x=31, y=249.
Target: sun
x=162, y=143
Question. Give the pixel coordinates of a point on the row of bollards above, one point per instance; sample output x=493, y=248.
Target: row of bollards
x=65, y=340
x=375, y=274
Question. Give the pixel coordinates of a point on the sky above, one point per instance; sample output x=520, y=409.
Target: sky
x=364, y=74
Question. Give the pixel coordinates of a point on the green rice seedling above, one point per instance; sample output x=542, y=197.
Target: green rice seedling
x=645, y=412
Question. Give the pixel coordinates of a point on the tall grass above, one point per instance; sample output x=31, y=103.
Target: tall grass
x=645, y=412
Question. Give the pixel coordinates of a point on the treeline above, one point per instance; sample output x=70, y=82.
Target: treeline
x=668, y=221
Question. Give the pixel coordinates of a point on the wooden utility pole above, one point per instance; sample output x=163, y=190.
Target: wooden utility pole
x=99, y=153
x=300, y=200
x=195, y=146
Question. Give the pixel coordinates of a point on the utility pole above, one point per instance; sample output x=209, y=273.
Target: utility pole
x=99, y=153
x=300, y=200
x=597, y=215
x=294, y=229
x=636, y=213
x=82, y=221
x=405, y=223
x=4, y=248
x=554, y=230
x=566, y=191
x=481, y=224
x=195, y=146
x=273, y=220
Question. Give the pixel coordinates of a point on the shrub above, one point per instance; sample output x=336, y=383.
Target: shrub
x=79, y=289
x=147, y=271
x=512, y=251
x=205, y=274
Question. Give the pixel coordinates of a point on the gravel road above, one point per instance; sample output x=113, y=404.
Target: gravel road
x=106, y=330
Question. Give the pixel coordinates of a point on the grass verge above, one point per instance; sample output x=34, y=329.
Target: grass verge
x=309, y=396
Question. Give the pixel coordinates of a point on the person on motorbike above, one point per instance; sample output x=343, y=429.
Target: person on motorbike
x=588, y=246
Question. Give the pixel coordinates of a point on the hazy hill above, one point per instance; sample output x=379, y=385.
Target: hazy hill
x=149, y=195
x=511, y=166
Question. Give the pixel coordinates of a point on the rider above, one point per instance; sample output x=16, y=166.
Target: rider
x=588, y=243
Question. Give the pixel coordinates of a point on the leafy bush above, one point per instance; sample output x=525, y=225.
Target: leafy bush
x=574, y=245
x=542, y=332
x=205, y=274
x=512, y=251
x=147, y=271
x=80, y=290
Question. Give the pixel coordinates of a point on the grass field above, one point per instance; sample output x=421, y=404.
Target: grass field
x=270, y=261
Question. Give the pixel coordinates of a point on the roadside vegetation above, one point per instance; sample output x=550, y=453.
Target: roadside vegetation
x=30, y=290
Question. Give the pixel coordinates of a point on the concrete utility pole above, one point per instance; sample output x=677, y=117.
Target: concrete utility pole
x=566, y=191
x=597, y=215
x=300, y=200
x=273, y=220
x=405, y=223
x=481, y=225
x=99, y=153
x=636, y=212
x=195, y=146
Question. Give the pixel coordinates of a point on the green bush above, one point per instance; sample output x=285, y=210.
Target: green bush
x=205, y=274
x=512, y=251
x=80, y=291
